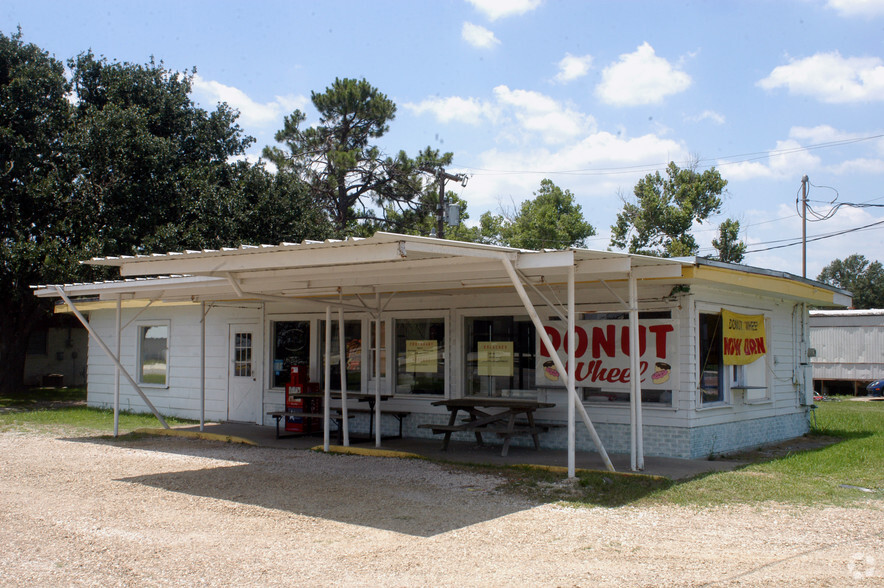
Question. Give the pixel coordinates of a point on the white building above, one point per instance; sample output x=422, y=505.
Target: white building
x=427, y=319
x=848, y=349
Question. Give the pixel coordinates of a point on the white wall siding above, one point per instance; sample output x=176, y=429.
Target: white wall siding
x=181, y=396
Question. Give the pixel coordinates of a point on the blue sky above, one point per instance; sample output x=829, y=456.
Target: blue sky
x=592, y=95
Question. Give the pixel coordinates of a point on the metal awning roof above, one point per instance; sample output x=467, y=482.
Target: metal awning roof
x=385, y=262
x=389, y=262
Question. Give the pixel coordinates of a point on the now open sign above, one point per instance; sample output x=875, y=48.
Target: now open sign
x=743, y=337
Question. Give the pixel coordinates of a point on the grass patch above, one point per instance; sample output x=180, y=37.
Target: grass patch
x=815, y=476
x=848, y=450
x=34, y=397
x=61, y=407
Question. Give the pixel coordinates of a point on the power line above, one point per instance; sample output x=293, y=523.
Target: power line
x=721, y=161
x=819, y=237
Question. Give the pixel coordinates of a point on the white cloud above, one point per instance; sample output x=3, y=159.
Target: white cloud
x=540, y=115
x=640, y=78
x=849, y=8
x=478, y=36
x=524, y=116
x=454, y=108
x=495, y=9
x=251, y=112
x=592, y=168
x=572, y=67
x=710, y=115
x=787, y=159
x=831, y=78
x=792, y=157
x=861, y=165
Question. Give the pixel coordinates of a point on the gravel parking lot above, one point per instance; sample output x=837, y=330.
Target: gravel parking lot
x=167, y=512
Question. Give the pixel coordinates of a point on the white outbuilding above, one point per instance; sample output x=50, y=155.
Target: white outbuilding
x=721, y=350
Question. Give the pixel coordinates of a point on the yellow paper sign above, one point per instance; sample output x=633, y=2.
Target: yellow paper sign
x=421, y=356
x=495, y=358
x=743, y=337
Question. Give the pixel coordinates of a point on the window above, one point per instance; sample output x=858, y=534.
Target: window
x=37, y=342
x=712, y=372
x=153, y=352
x=420, y=356
x=500, y=356
x=290, y=346
x=352, y=350
x=242, y=358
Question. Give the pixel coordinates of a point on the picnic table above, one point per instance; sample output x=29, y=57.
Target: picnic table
x=371, y=399
x=491, y=415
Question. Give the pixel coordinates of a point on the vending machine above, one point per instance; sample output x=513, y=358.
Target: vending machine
x=302, y=398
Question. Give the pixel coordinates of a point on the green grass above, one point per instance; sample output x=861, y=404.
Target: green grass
x=852, y=454
x=35, y=408
x=36, y=396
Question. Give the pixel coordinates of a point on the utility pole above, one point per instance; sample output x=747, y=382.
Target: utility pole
x=804, y=181
x=441, y=207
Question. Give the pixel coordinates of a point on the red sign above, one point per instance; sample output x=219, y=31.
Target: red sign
x=602, y=354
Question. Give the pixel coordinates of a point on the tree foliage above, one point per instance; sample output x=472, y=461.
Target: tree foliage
x=864, y=279
x=35, y=225
x=128, y=165
x=551, y=220
x=659, y=221
x=730, y=248
x=359, y=188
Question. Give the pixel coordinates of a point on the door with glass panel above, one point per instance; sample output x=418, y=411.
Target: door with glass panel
x=243, y=383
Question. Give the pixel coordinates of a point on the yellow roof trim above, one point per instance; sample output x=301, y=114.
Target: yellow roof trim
x=770, y=284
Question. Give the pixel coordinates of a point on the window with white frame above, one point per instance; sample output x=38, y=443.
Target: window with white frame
x=289, y=345
x=352, y=355
x=153, y=354
x=712, y=370
x=419, y=349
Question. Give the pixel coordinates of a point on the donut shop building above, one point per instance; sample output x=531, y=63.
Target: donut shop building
x=720, y=350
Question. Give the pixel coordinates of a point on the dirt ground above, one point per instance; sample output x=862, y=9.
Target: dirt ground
x=167, y=512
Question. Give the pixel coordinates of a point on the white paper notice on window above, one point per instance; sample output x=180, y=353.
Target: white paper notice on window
x=421, y=356
x=495, y=358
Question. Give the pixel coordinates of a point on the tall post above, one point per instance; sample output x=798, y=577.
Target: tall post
x=202, y=366
x=572, y=374
x=377, y=374
x=638, y=458
x=804, y=181
x=119, y=329
x=440, y=209
x=343, y=354
x=326, y=410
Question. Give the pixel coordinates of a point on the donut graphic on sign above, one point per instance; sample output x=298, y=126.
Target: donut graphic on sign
x=661, y=372
x=550, y=371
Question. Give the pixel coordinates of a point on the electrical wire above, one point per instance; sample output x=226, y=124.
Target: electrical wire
x=646, y=168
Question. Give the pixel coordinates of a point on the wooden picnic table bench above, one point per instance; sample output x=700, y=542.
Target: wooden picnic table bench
x=280, y=414
x=501, y=422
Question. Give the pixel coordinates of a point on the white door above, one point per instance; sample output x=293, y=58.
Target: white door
x=243, y=383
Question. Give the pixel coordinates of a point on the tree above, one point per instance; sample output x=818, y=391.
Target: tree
x=35, y=225
x=551, y=220
x=730, y=248
x=863, y=279
x=659, y=221
x=128, y=165
x=348, y=177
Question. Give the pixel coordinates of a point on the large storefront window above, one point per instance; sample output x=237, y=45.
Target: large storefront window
x=290, y=346
x=352, y=351
x=712, y=373
x=420, y=356
x=500, y=356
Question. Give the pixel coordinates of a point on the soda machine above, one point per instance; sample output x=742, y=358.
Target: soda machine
x=302, y=399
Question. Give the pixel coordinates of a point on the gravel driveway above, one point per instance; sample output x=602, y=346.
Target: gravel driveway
x=167, y=511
